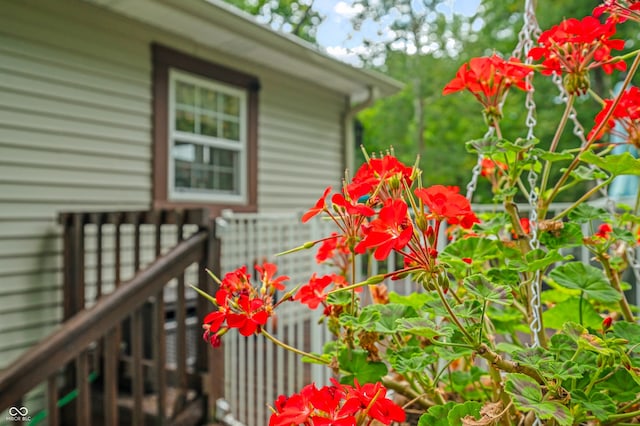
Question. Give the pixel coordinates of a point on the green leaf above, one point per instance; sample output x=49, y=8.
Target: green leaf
x=340, y=298
x=589, y=279
x=504, y=276
x=423, y=327
x=485, y=146
x=382, y=318
x=600, y=404
x=628, y=331
x=460, y=411
x=569, y=236
x=436, y=415
x=622, y=385
x=415, y=300
x=563, y=345
x=478, y=249
x=586, y=213
x=354, y=362
x=553, y=156
x=569, y=370
x=616, y=164
x=483, y=289
x=527, y=396
x=533, y=357
x=539, y=260
x=493, y=224
x=520, y=144
x=582, y=173
x=411, y=359
x=569, y=311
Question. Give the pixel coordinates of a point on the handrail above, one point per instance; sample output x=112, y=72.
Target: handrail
x=47, y=357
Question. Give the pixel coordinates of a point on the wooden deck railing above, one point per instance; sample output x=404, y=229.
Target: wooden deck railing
x=120, y=339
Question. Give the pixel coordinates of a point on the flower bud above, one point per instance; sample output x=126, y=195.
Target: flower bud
x=606, y=323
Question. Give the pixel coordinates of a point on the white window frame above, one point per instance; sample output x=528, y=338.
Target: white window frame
x=207, y=196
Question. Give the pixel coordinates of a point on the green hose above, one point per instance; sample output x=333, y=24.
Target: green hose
x=41, y=415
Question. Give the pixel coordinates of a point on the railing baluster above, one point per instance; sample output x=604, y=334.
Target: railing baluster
x=111, y=355
x=181, y=330
x=99, y=255
x=83, y=401
x=159, y=341
x=52, y=400
x=137, y=373
x=160, y=357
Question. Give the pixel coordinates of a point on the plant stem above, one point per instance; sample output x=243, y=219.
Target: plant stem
x=505, y=365
x=484, y=309
x=614, y=279
x=576, y=160
x=584, y=198
x=453, y=316
x=405, y=389
x=556, y=141
x=580, y=307
x=294, y=350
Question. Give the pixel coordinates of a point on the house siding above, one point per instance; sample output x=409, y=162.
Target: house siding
x=75, y=134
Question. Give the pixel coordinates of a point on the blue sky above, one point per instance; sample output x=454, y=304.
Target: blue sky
x=336, y=34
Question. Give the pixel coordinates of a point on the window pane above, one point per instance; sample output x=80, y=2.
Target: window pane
x=225, y=158
x=226, y=181
x=204, y=168
x=185, y=121
x=230, y=130
x=208, y=100
x=208, y=125
x=231, y=105
x=185, y=93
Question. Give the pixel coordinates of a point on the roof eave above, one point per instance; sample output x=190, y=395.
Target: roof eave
x=282, y=52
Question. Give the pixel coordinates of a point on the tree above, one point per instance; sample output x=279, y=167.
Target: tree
x=297, y=17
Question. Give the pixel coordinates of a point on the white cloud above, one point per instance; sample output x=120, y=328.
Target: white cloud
x=347, y=10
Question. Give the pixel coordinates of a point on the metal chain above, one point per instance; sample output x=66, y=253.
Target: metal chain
x=530, y=31
x=475, y=172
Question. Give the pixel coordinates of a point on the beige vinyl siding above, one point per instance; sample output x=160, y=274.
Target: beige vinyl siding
x=75, y=123
x=300, y=147
x=75, y=134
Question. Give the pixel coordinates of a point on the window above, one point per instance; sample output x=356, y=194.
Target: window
x=207, y=139
x=205, y=134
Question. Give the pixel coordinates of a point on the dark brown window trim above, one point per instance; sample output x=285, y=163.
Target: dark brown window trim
x=164, y=59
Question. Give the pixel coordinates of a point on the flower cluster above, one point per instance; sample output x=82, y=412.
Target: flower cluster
x=373, y=214
x=337, y=405
x=574, y=46
x=626, y=114
x=619, y=10
x=489, y=78
x=241, y=305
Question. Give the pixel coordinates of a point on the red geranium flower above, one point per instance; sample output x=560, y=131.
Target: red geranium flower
x=312, y=293
x=375, y=171
x=237, y=281
x=319, y=206
x=604, y=230
x=390, y=230
x=626, y=114
x=250, y=317
x=371, y=399
x=491, y=167
x=445, y=203
x=489, y=78
x=575, y=46
x=267, y=272
x=352, y=208
x=619, y=10
x=331, y=247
